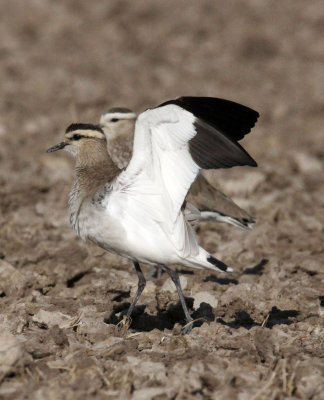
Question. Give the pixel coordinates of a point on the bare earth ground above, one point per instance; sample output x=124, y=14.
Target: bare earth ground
x=60, y=298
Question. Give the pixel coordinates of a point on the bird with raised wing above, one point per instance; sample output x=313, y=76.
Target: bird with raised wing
x=118, y=124
x=138, y=212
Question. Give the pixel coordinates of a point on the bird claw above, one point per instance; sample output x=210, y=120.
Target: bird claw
x=123, y=325
x=188, y=327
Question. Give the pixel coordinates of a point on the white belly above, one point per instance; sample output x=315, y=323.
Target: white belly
x=117, y=230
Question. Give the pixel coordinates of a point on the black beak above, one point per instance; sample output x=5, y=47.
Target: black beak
x=59, y=146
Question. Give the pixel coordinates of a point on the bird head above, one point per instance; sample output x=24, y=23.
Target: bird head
x=79, y=136
x=117, y=122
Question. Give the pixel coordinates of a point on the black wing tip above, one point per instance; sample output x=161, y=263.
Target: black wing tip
x=245, y=159
x=219, y=264
x=252, y=163
x=255, y=120
x=211, y=149
x=209, y=99
x=229, y=117
x=184, y=101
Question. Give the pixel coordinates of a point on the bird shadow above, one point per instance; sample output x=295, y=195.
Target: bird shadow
x=257, y=269
x=275, y=317
x=221, y=281
x=164, y=319
x=119, y=295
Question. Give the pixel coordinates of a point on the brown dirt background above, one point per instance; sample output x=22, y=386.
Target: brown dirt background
x=68, y=61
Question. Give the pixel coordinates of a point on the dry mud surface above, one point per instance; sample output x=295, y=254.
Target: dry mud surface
x=60, y=298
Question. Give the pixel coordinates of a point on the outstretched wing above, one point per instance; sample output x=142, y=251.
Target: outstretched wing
x=232, y=119
x=171, y=145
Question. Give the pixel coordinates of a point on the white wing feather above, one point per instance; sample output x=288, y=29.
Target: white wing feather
x=161, y=172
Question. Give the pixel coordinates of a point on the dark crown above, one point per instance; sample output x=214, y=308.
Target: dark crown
x=81, y=126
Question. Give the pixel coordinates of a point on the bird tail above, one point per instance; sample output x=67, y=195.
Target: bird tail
x=205, y=260
x=244, y=223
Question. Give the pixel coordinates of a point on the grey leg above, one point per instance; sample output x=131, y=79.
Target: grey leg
x=140, y=288
x=175, y=278
x=158, y=272
x=155, y=269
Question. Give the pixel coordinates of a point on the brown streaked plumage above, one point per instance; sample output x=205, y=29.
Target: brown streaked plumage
x=94, y=169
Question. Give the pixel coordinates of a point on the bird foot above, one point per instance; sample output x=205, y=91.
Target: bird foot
x=123, y=325
x=188, y=327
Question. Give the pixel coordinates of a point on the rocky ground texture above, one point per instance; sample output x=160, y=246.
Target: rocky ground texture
x=259, y=332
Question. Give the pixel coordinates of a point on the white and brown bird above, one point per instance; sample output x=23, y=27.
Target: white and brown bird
x=138, y=212
x=118, y=124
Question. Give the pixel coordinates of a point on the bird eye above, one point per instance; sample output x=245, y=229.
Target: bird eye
x=114, y=120
x=77, y=137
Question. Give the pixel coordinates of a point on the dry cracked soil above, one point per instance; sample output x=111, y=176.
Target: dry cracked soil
x=259, y=331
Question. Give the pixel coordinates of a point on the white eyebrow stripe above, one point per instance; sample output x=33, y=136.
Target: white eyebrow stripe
x=111, y=115
x=86, y=133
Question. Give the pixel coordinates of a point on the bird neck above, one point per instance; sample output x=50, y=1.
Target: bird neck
x=120, y=143
x=94, y=168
